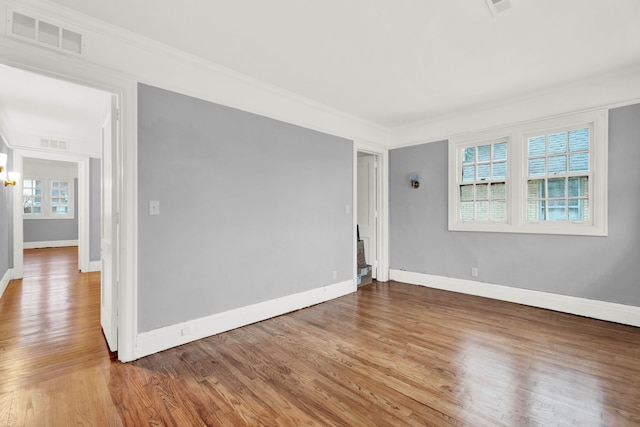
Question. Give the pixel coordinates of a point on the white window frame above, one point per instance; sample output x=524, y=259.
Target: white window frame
x=46, y=207
x=517, y=175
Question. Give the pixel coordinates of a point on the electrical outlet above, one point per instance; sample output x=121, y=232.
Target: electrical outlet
x=185, y=331
x=335, y=275
x=474, y=271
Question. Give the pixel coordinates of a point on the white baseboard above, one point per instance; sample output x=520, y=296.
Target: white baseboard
x=4, y=282
x=175, y=335
x=95, y=266
x=50, y=244
x=612, y=312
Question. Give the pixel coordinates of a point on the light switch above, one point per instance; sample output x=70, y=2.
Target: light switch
x=154, y=207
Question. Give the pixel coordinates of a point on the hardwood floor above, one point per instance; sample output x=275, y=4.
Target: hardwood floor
x=390, y=354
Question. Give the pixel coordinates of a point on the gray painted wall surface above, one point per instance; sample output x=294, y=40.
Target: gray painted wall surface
x=6, y=218
x=599, y=268
x=95, y=185
x=51, y=230
x=251, y=209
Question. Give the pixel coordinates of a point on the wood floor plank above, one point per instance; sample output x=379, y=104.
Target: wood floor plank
x=390, y=354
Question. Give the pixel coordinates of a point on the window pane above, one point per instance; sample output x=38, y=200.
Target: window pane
x=535, y=210
x=483, y=172
x=37, y=201
x=54, y=193
x=499, y=170
x=498, y=191
x=482, y=192
x=468, y=173
x=579, y=186
x=536, y=167
x=469, y=155
x=557, y=164
x=27, y=209
x=579, y=162
x=536, y=146
x=466, y=211
x=484, y=153
x=38, y=185
x=498, y=211
x=557, y=210
x=500, y=151
x=37, y=209
x=579, y=140
x=54, y=185
x=556, y=188
x=466, y=193
x=557, y=143
x=482, y=211
x=535, y=188
x=578, y=210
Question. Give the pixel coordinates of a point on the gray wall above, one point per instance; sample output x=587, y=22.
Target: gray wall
x=6, y=218
x=599, y=268
x=51, y=230
x=95, y=185
x=251, y=209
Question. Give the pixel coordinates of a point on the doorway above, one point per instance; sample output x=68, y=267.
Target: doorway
x=51, y=119
x=368, y=207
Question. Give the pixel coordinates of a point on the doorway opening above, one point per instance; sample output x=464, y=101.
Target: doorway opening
x=369, y=207
x=59, y=122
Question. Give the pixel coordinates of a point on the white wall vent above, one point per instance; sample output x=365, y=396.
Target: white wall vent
x=44, y=32
x=499, y=6
x=54, y=144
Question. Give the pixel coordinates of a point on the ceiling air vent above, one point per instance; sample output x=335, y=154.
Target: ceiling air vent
x=498, y=6
x=54, y=144
x=44, y=32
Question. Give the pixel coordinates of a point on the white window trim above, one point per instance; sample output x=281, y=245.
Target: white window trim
x=517, y=176
x=46, y=199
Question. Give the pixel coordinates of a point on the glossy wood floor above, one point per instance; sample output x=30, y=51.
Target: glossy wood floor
x=391, y=354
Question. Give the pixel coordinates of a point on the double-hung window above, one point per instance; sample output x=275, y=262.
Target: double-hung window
x=47, y=198
x=482, y=182
x=558, y=175
x=548, y=176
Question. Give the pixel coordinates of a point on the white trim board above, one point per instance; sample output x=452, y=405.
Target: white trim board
x=95, y=266
x=192, y=330
x=49, y=244
x=612, y=312
x=4, y=282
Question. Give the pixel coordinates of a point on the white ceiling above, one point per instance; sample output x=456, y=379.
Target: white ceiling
x=49, y=108
x=393, y=62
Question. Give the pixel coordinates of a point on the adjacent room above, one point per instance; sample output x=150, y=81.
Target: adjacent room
x=319, y=213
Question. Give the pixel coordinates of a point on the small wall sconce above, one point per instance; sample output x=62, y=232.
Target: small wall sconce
x=9, y=178
x=414, y=180
x=13, y=177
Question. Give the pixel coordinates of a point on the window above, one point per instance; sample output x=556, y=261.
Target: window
x=47, y=198
x=540, y=177
x=32, y=196
x=59, y=197
x=482, y=185
x=558, y=176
